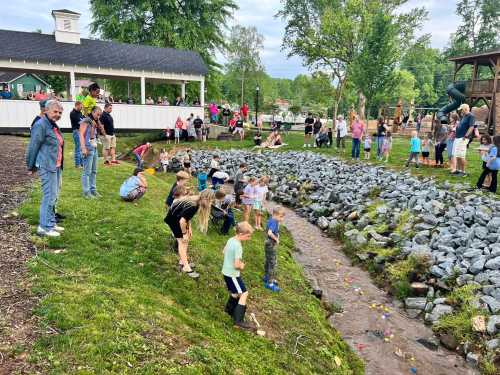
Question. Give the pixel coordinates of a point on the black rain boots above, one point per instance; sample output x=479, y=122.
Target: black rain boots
x=230, y=305
x=239, y=318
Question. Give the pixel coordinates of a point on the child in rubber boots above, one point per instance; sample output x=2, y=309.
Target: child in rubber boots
x=233, y=265
x=272, y=241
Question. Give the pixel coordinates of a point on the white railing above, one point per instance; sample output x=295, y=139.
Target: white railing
x=18, y=114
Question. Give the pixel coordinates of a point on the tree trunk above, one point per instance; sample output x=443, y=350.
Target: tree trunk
x=242, y=86
x=362, y=106
x=338, y=97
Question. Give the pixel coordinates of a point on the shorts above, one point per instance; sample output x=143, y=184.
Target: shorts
x=235, y=284
x=257, y=205
x=239, y=130
x=308, y=130
x=175, y=227
x=367, y=149
x=177, y=133
x=109, y=141
x=238, y=195
x=425, y=154
x=460, y=148
x=187, y=165
x=135, y=194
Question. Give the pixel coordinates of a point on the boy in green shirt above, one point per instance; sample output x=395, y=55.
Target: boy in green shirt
x=233, y=265
x=90, y=100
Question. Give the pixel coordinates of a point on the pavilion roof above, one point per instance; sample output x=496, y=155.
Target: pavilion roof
x=33, y=47
x=484, y=58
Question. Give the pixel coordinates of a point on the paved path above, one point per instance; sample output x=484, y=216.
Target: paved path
x=361, y=325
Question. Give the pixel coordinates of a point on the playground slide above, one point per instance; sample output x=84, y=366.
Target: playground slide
x=457, y=93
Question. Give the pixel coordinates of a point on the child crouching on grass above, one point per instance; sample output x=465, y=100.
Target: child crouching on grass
x=273, y=239
x=231, y=269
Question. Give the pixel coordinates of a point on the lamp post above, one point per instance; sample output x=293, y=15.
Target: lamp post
x=257, y=89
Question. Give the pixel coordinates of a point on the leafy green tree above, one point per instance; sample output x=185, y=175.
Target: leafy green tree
x=329, y=35
x=480, y=27
x=243, y=53
x=189, y=24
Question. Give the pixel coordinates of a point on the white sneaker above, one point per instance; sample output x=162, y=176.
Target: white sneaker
x=59, y=229
x=47, y=233
x=305, y=145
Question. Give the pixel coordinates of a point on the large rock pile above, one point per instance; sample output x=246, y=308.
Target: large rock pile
x=457, y=229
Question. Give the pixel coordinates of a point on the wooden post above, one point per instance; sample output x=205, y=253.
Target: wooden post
x=495, y=102
x=474, y=77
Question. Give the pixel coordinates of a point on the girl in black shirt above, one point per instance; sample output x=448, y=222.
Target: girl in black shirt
x=179, y=217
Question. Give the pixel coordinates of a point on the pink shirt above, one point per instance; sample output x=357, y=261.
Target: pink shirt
x=141, y=149
x=60, y=142
x=358, y=129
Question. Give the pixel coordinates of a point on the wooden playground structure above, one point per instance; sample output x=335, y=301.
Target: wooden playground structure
x=478, y=88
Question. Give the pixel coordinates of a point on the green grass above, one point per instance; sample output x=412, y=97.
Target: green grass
x=399, y=154
x=112, y=301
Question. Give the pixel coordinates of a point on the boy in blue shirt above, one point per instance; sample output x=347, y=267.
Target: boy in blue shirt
x=415, y=148
x=134, y=187
x=233, y=265
x=272, y=241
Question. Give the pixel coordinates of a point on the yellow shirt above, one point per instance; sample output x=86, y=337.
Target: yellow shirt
x=88, y=103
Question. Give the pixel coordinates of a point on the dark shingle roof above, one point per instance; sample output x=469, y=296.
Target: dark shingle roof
x=9, y=76
x=18, y=45
x=64, y=11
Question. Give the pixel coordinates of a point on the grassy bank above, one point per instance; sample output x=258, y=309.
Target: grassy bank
x=113, y=301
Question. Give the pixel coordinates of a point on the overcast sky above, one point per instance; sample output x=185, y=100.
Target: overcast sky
x=29, y=15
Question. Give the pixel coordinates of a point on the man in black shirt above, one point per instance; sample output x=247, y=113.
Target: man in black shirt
x=109, y=138
x=76, y=116
x=198, y=123
x=308, y=129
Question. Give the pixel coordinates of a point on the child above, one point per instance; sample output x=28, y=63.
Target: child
x=134, y=187
x=257, y=140
x=168, y=135
x=248, y=198
x=177, y=130
x=273, y=239
x=222, y=209
x=239, y=181
x=367, y=146
x=426, y=148
x=415, y=145
x=260, y=197
x=164, y=160
x=214, y=165
x=387, y=146
x=231, y=269
x=219, y=178
x=204, y=132
x=181, y=180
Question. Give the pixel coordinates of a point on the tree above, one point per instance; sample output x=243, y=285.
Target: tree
x=189, y=24
x=329, y=35
x=243, y=53
x=480, y=27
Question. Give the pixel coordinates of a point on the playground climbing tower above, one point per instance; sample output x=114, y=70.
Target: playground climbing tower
x=479, y=88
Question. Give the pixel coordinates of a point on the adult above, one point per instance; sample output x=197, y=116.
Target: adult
x=109, y=137
x=238, y=126
x=308, y=129
x=76, y=116
x=406, y=118
x=450, y=139
x=134, y=187
x=140, y=152
x=322, y=139
x=178, y=101
x=41, y=95
x=184, y=131
x=357, y=132
x=90, y=101
x=149, y=100
x=441, y=133
x=419, y=122
x=341, y=130
x=88, y=143
x=46, y=156
x=198, y=125
x=179, y=218
x=165, y=101
x=381, y=133
x=196, y=102
x=464, y=129
x=226, y=113
x=244, y=111
x=316, y=128
x=492, y=166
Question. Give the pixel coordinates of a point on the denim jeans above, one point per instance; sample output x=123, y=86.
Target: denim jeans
x=449, y=148
x=78, y=153
x=50, y=190
x=380, y=142
x=356, y=146
x=89, y=172
x=228, y=221
x=139, y=161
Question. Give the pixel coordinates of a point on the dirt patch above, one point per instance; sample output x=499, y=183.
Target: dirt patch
x=17, y=323
x=380, y=333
